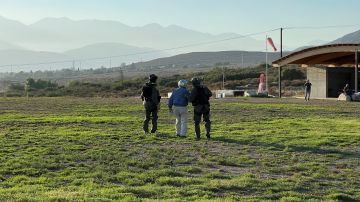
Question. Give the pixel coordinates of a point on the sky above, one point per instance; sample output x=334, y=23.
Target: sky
x=210, y=16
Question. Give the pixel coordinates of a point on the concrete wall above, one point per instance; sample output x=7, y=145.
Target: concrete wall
x=318, y=79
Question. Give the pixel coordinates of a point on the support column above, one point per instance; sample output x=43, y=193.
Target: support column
x=279, y=81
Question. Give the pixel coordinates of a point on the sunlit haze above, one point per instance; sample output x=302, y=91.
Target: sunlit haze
x=211, y=16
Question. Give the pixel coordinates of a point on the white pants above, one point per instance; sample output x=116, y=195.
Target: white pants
x=181, y=120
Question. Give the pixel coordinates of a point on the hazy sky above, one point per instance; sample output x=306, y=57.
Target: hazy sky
x=212, y=16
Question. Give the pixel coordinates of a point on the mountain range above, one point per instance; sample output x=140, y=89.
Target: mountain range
x=64, y=40
x=62, y=34
x=353, y=37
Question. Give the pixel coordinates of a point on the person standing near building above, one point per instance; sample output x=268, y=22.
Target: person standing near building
x=348, y=91
x=151, y=100
x=262, y=87
x=178, y=103
x=307, y=90
x=199, y=97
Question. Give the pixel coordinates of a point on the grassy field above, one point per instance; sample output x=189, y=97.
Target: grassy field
x=93, y=149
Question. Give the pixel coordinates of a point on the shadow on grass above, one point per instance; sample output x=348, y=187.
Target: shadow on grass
x=289, y=148
x=234, y=141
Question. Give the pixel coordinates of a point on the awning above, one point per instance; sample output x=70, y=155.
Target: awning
x=333, y=55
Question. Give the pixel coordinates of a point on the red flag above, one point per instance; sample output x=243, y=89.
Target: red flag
x=270, y=41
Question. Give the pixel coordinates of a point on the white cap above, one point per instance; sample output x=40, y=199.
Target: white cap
x=182, y=83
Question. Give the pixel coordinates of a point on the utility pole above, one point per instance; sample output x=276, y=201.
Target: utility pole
x=356, y=69
x=223, y=74
x=4, y=84
x=281, y=33
x=27, y=86
x=266, y=65
x=281, y=55
x=121, y=76
x=242, y=59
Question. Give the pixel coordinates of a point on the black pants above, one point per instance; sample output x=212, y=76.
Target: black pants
x=202, y=111
x=151, y=112
x=349, y=93
x=307, y=94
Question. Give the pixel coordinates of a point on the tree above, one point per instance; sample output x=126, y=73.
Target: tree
x=30, y=82
x=292, y=74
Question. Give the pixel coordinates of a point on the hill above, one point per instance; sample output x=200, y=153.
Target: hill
x=205, y=59
x=353, y=37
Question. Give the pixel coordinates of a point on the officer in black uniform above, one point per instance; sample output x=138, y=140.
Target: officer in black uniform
x=151, y=100
x=199, y=97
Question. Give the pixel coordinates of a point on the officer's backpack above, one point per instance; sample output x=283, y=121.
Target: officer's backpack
x=147, y=92
x=201, y=98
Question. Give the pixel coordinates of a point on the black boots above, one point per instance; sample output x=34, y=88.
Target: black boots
x=197, y=131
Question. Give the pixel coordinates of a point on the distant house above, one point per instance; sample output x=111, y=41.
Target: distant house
x=329, y=67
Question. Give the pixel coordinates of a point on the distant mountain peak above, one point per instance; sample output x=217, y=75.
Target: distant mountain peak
x=180, y=28
x=153, y=25
x=174, y=26
x=353, y=37
x=54, y=19
x=10, y=21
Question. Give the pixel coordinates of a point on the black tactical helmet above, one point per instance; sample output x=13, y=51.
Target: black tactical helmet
x=153, y=78
x=195, y=81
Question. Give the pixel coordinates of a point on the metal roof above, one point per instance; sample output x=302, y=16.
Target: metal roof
x=329, y=55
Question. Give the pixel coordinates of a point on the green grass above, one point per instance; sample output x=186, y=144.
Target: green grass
x=93, y=149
